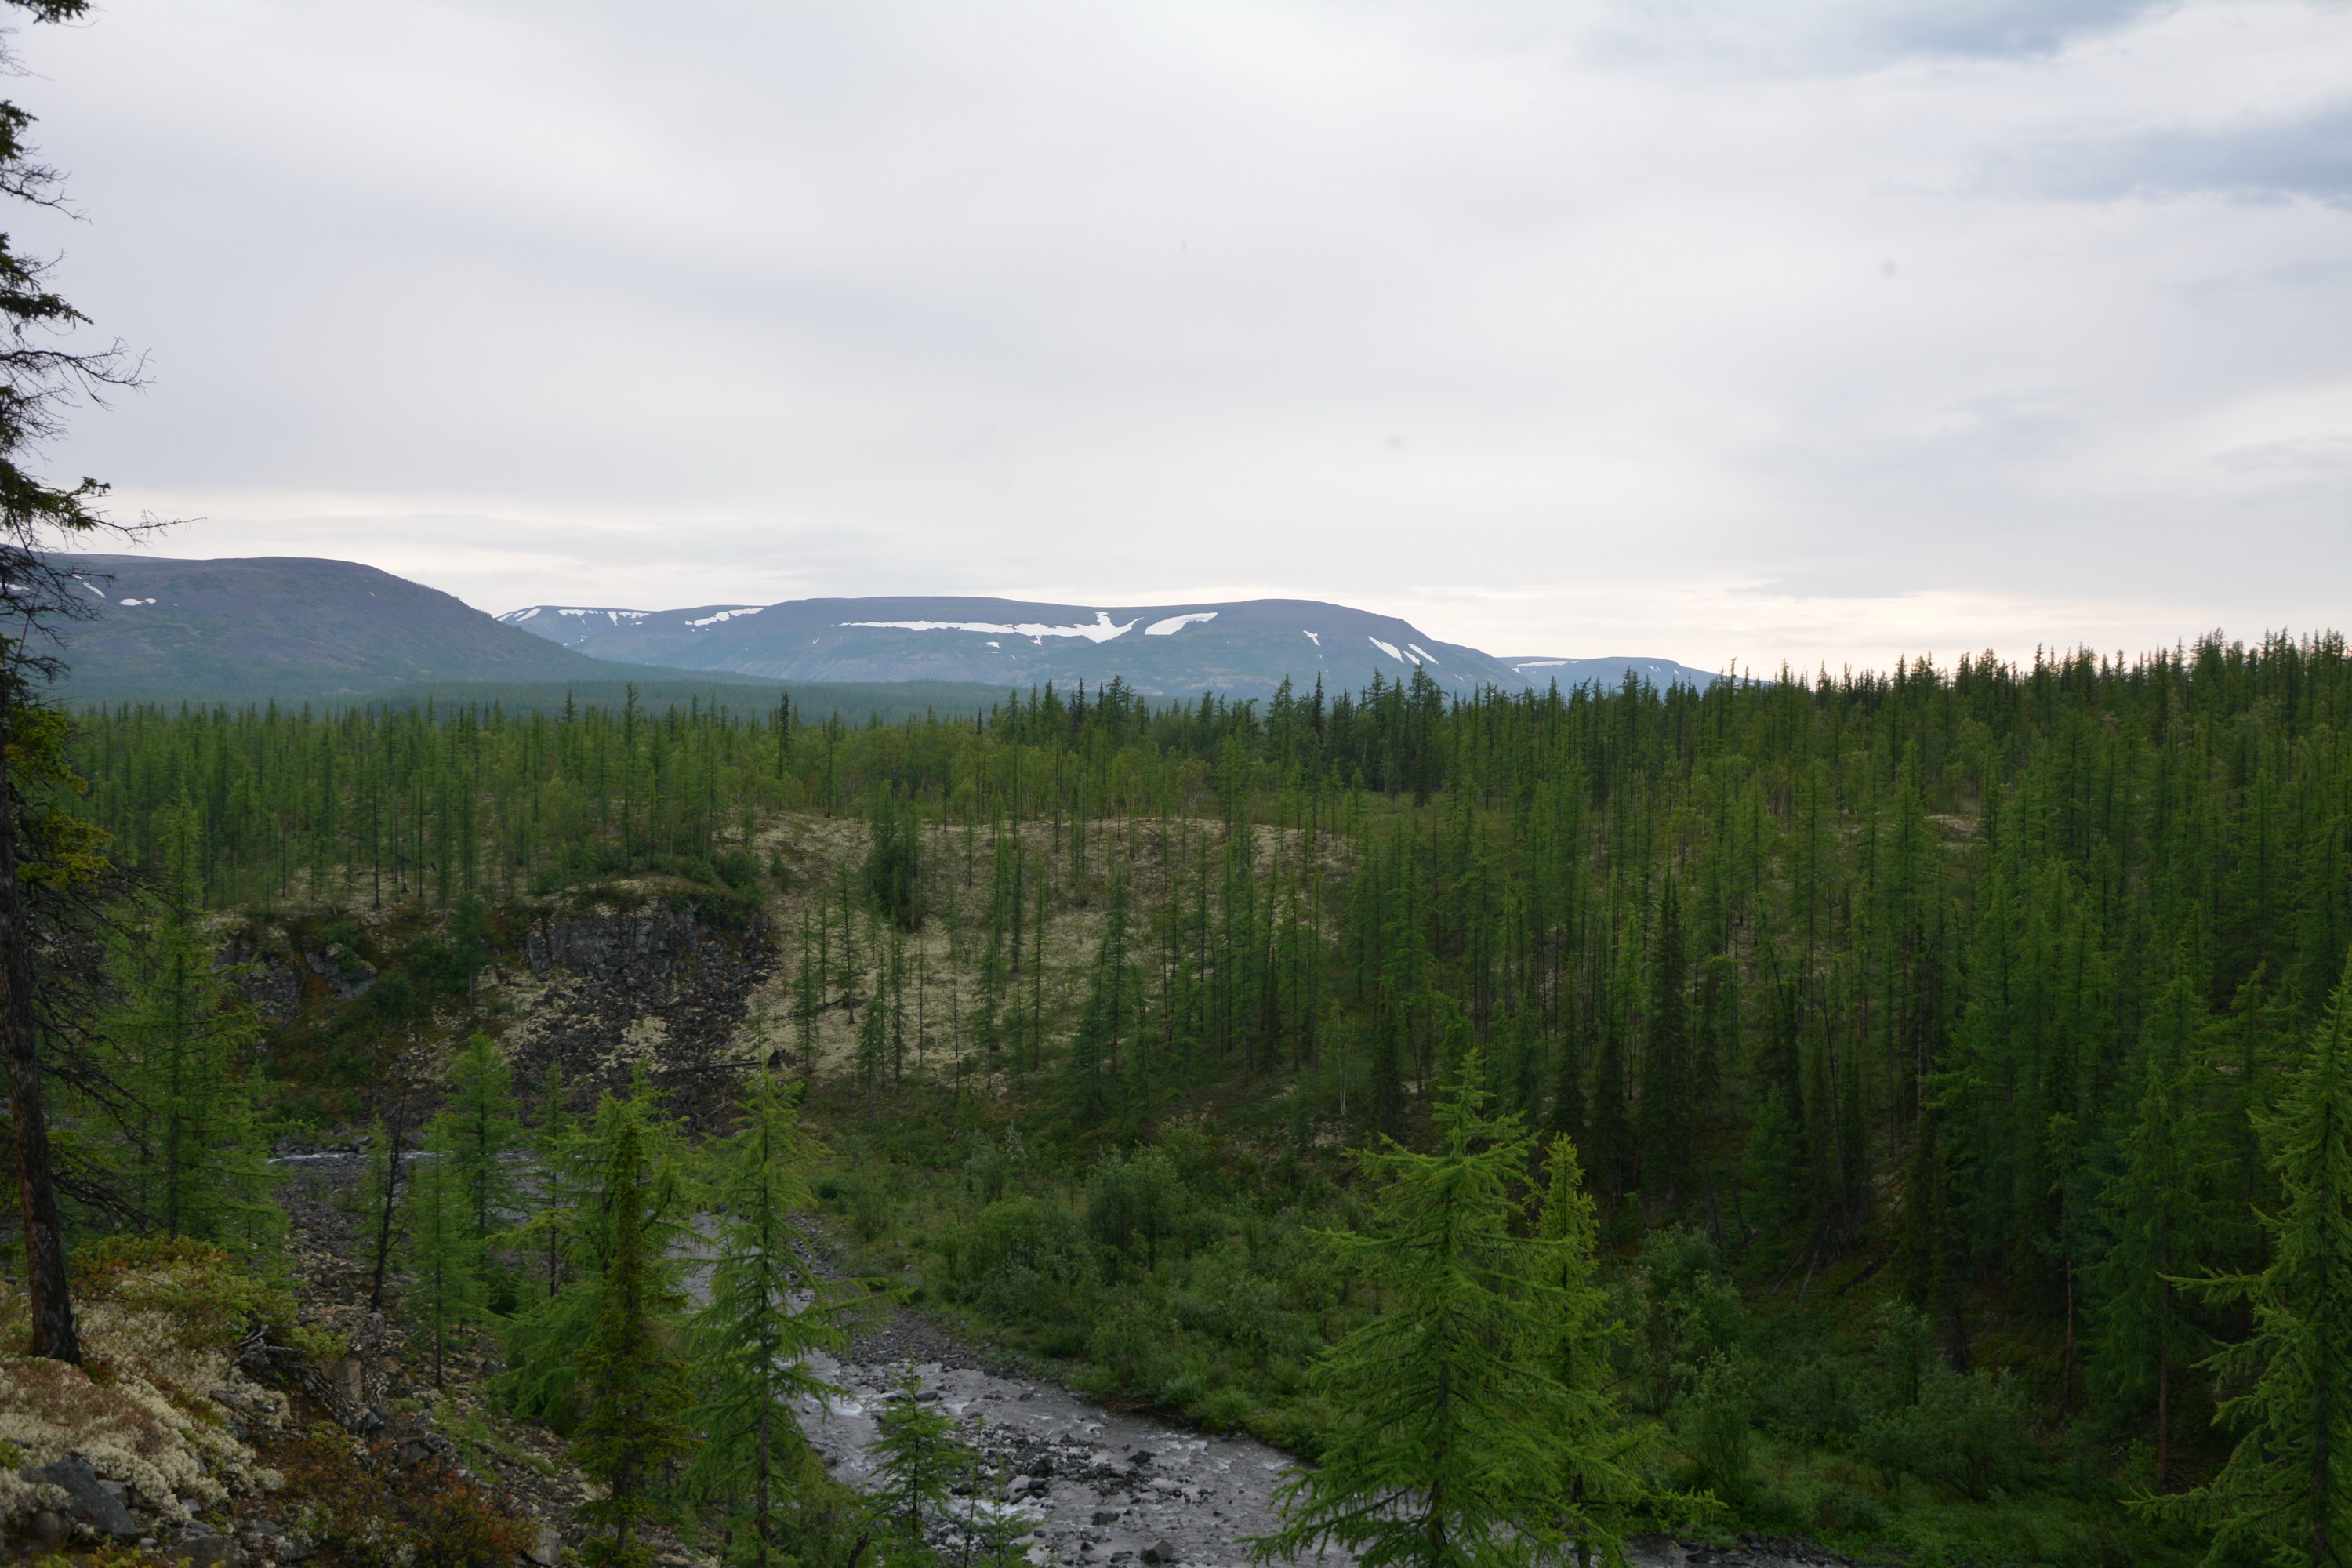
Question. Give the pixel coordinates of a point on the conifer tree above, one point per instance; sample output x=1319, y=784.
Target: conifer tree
x=631, y=1386
x=917, y=1458
x=767, y=1310
x=2145, y=1335
x=2285, y=1494
x=1667, y=1086
x=1597, y=1491
x=1454, y=1440
x=184, y=1046
x=481, y=1129
x=443, y=1250
x=1107, y=1025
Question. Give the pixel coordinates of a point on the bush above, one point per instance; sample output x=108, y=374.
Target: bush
x=1136, y=1206
x=364, y=1505
x=1030, y=1233
x=1130, y=1342
x=1842, y=1511
x=1712, y=1425
x=1968, y=1433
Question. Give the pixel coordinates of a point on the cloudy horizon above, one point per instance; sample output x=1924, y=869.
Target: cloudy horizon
x=1819, y=334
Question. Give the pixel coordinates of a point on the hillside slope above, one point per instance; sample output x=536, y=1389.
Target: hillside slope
x=289, y=628
x=1242, y=649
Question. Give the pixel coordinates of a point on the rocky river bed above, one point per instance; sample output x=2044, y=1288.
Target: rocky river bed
x=1100, y=1487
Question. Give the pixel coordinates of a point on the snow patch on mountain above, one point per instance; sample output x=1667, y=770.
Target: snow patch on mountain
x=1174, y=623
x=1101, y=630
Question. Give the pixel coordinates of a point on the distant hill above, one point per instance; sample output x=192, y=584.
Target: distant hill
x=300, y=629
x=1242, y=649
x=293, y=628
x=1540, y=671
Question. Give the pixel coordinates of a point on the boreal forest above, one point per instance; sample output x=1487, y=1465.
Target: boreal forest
x=1908, y=1113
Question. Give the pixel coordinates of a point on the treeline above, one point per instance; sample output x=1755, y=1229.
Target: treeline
x=1982, y=978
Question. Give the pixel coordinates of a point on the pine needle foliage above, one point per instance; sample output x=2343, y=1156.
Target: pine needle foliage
x=1457, y=1437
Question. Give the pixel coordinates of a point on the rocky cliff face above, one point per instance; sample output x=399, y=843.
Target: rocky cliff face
x=610, y=991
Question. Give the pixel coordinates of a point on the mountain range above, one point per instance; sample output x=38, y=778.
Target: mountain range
x=298, y=628
x=1244, y=649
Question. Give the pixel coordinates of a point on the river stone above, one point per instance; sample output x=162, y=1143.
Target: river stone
x=1159, y=1552
x=90, y=1502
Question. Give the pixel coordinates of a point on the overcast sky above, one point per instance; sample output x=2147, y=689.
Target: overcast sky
x=1805, y=331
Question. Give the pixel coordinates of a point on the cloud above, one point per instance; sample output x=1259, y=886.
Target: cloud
x=2303, y=154
x=1710, y=331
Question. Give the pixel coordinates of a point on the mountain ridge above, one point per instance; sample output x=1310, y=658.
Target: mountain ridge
x=1242, y=648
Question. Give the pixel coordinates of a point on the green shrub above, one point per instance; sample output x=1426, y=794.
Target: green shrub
x=1968, y=1433
x=1842, y=1511
x=1130, y=1344
x=1032, y=1233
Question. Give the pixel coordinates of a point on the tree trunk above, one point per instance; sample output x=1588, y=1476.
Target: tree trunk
x=45, y=1246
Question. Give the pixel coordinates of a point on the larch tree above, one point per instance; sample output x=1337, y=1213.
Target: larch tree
x=2146, y=1335
x=631, y=1390
x=766, y=1309
x=2285, y=1496
x=443, y=1250
x=1454, y=1443
x=182, y=1045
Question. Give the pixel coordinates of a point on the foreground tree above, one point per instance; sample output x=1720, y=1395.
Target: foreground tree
x=1597, y=1491
x=2285, y=1494
x=631, y=1386
x=39, y=843
x=917, y=1459
x=768, y=1309
x=1457, y=1443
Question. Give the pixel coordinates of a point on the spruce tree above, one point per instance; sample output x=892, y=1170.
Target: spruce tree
x=2285, y=1494
x=1455, y=1440
x=767, y=1310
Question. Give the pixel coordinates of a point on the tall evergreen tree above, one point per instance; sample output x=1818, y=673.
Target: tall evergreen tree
x=44, y=849
x=632, y=1385
x=2285, y=1494
x=917, y=1459
x=482, y=1130
x=1599, y=1489
x=444, y=1250
x=767, y=1310
x=1454, y=1440
x=2146, y=1337
x=1668, y=1087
